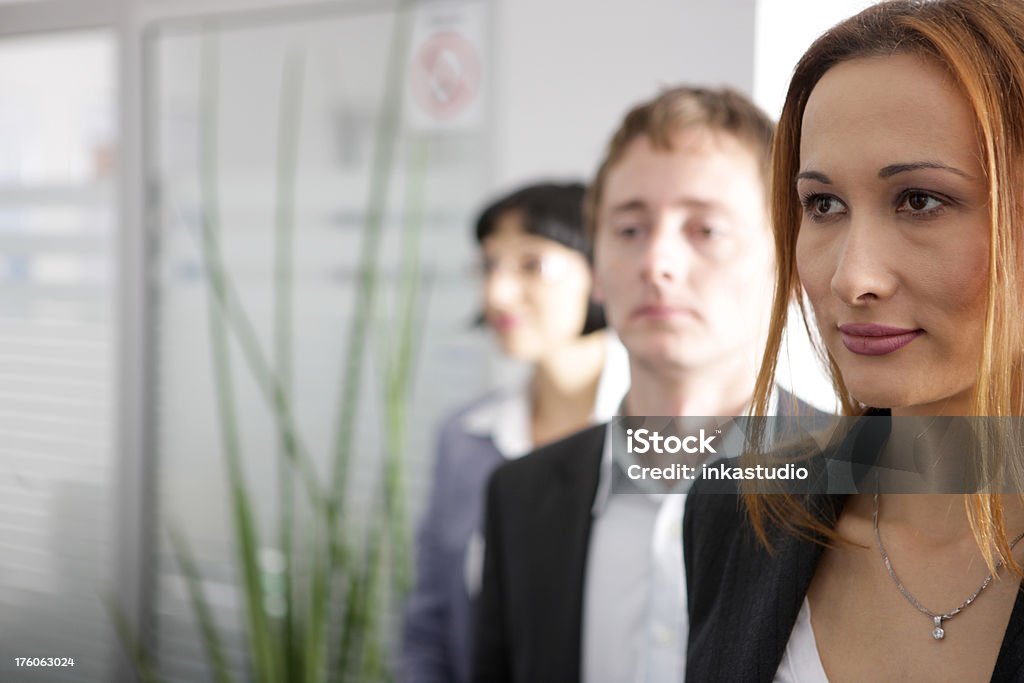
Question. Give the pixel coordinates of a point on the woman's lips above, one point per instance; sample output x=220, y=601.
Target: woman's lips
x=502, y=323
x=868, y=339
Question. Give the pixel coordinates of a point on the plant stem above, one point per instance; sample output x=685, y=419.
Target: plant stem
x=400, y=367
x=289, y=127
x=353, y=611
x=193, y=582
x=260, y=643
x=385, y=142
x=132, y=643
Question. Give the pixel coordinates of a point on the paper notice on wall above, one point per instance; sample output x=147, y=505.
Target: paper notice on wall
x=446, y=74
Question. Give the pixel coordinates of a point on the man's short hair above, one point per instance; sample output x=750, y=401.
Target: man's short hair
x=678, y=109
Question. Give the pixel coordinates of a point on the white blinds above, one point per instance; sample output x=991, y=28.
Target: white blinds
x=57, y=104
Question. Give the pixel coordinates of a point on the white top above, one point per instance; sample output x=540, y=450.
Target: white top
x=505, y=419
x=801, y=662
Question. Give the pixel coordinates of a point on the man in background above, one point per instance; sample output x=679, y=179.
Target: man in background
x=582, y=582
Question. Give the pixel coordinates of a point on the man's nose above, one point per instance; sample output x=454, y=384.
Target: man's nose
x=667, y=255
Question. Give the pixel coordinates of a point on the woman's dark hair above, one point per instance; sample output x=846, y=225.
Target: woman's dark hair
x=553, y=211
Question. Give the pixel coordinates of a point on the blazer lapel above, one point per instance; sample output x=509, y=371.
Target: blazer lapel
x=778, y=594
x=785, y=581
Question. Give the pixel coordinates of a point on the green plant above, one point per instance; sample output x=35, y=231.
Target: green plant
x=337, y=578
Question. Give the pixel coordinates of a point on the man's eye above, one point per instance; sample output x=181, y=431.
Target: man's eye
x=628, y=231
x=706, y=232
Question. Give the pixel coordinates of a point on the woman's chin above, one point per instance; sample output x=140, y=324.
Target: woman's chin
x=530, y=348
x=880, y=394
x=892, y=398
x=516, y=348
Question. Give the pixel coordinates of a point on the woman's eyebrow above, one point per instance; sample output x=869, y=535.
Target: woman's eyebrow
x=813, y=175
x=893, y=169
x=889, y=171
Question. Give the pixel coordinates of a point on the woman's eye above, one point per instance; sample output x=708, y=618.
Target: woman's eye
x=919, y=203
x=825, y=204
x=821, y=206
x=531, y=265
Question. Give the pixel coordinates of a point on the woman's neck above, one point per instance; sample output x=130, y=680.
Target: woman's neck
x=934, y=520
x=958, y=404
x=930, y=448
x=940, y=519
x=564, y=388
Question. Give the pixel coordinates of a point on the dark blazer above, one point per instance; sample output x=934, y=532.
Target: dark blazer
x=743, y=602
x=529, y=615
x=537, y=531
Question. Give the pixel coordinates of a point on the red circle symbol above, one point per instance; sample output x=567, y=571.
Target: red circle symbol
x=445, y=75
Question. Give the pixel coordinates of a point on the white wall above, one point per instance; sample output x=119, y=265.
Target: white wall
x=784, y=31
x=566, y=72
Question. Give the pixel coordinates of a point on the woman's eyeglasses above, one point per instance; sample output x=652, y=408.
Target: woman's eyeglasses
x=528, y=267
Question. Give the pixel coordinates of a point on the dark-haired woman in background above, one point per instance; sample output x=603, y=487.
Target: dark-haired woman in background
x=898, y=175
x=537, y=300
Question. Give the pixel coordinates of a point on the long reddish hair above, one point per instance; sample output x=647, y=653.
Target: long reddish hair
x=981, y=44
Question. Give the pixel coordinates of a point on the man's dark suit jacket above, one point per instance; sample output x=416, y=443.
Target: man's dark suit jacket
x=537, y=531
x=530, y=609
x=743, y=602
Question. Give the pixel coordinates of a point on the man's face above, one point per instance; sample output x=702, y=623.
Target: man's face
x=684, y=255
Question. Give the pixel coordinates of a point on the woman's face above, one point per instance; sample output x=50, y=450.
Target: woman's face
x=893, y=243
x=536, y=291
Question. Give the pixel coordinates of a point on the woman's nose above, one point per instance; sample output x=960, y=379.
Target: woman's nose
x=861, y=272
x=501, y=287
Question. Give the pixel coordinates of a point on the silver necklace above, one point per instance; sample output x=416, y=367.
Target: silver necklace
x=938, y=633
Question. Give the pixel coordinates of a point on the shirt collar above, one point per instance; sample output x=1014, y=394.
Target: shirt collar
x=612, y=470
x=607, y=472
x=604, y=477
x=614, y=382
x=505, y=419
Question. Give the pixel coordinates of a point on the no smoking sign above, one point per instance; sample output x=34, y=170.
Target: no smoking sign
x=446, y=71
x=446, y=75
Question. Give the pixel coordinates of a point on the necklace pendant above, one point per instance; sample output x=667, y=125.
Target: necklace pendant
x=938, y=633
